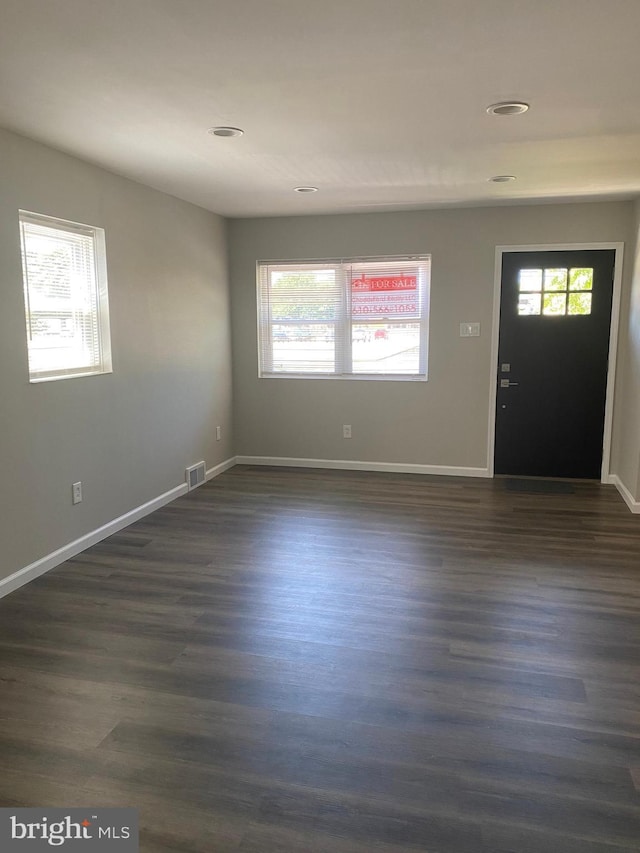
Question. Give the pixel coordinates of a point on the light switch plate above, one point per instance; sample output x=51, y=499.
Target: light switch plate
x=469, y=330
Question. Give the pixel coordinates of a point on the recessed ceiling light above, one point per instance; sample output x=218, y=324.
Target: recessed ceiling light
x=306, y=189
x=502, y=179
x=507, y=108
x=225, y=131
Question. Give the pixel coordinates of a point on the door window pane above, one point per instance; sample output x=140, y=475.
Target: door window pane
x=555, y=304
x=581, y=278
x=579, y=303
x=529, y=303
x=531, y=280
x=555, y=279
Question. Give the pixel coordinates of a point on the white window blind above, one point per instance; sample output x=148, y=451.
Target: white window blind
x=360, y=317
x=65, y=291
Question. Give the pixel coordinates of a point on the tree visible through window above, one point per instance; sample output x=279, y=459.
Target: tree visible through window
x=555, y=292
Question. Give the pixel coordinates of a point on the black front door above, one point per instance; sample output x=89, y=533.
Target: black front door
x=555, y=318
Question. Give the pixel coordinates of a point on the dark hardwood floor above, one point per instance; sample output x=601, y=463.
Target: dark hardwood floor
x=340, y=662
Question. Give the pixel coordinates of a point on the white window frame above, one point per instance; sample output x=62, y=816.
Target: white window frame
x=98, y=285
x=344, y=318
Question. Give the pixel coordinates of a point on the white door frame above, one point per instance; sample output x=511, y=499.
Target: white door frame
x=613, y=340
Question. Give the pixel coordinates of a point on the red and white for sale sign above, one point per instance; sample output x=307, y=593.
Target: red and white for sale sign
x=384, y=296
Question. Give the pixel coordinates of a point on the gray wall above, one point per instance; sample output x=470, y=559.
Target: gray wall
x=626, y=462
x=129, y=435
x=441, y=422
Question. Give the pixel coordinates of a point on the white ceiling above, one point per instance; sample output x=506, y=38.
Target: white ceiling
x=378, y=103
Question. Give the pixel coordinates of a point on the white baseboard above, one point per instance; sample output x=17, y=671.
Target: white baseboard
x=45, y=564
x=220, y=469
x=630, y=501
x=352, y=465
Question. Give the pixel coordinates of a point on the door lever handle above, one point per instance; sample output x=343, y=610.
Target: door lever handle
x=507, y=383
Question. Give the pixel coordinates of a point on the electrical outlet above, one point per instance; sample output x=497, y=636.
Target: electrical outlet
x=76, y=493
x=346, y=430
x=218, y=433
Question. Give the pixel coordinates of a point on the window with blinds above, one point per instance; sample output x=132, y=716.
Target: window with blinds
x=65, y=293
x=348, y=318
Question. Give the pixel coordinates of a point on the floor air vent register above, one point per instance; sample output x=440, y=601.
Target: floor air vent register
x=196, y=475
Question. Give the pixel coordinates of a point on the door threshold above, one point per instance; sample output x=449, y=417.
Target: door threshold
x=593, y=480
